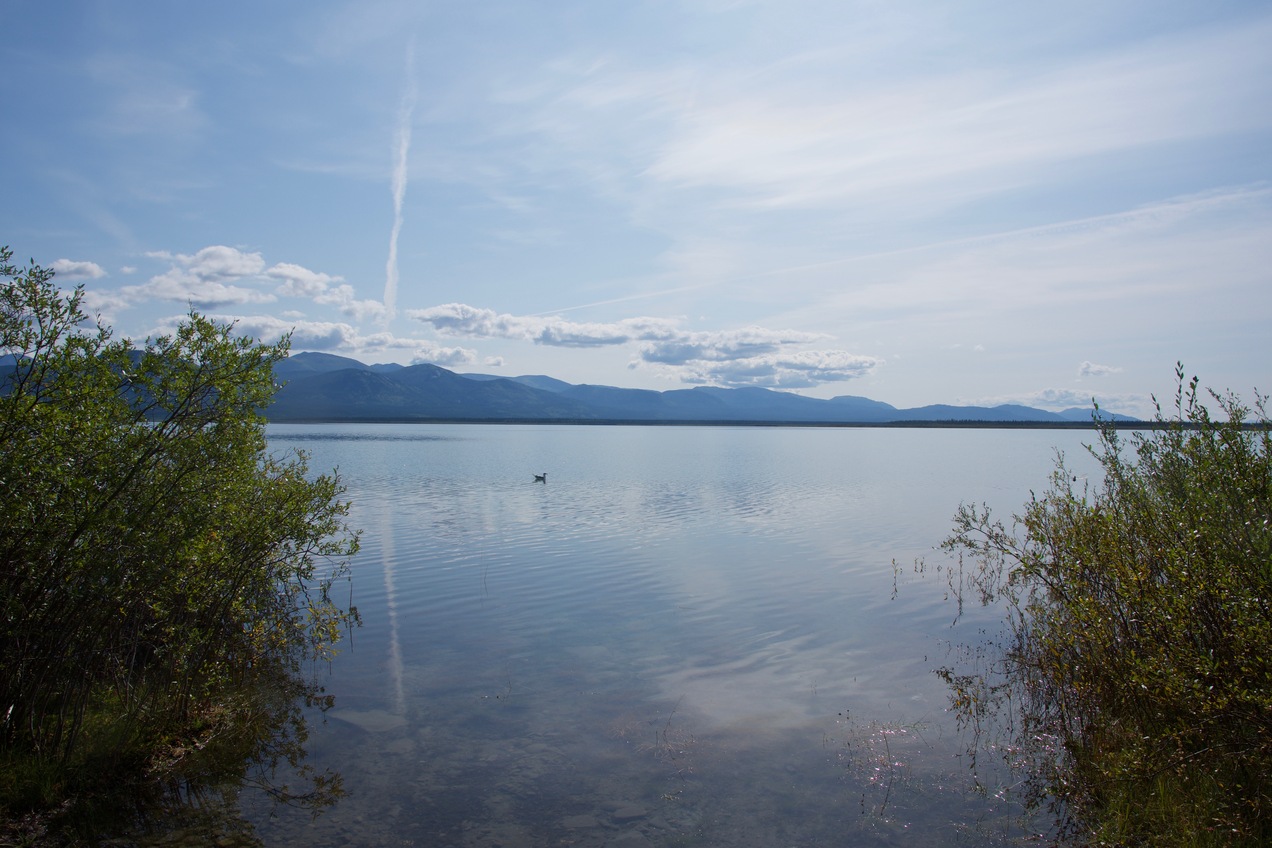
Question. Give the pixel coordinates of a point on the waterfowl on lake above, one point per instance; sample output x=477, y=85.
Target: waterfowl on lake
x=541, y=478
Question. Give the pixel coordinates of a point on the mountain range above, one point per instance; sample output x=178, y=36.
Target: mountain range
x=324, y=387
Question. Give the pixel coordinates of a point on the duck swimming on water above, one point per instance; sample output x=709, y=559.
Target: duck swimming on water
x=541, y=478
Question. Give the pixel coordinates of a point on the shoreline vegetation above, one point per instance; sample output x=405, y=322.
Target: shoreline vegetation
x=168, y=586
x=1130, y=698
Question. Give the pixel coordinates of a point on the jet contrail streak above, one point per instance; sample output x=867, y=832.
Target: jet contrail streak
x=405, y=110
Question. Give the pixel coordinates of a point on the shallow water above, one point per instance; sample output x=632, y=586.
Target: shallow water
x=686, y=636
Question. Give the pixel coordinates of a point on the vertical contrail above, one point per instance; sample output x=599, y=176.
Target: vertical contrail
x=405, y=111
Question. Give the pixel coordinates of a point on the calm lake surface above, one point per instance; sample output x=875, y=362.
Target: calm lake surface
x=686, y=636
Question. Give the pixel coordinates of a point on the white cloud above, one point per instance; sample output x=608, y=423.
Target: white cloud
x=305, y=335
x=1130, y=403
x=205, y=279
x=751, y=356
x=184, y=287
x=459, y=319
x=447, y=357
x=298, y=281
x=725, y=346
x=333, y=336
x=1056, y=398
x=375, y=346
x=104, y=302
x=71, y=270
x=219, y=262
x=220, y=276
x=797, y=370
x=1090, y=369
x=322, y=335
x=343, y=297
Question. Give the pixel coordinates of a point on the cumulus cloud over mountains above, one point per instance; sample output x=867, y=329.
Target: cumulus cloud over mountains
x=460, y=319
x=797, y=370
x=748, y=356
x=218, y=276
x=224, y=280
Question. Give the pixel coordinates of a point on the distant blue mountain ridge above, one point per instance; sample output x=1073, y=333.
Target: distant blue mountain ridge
x=324, y=387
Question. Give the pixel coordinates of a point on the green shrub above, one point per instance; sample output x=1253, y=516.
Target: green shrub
x=156, y=561
x=1135, y=683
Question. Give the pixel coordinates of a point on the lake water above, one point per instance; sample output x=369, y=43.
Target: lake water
x=685, y=636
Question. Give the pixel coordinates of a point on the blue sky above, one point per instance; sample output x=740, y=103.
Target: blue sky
x=919, y=202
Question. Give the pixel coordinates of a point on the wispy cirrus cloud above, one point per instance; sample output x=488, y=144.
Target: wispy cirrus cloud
x=958, y=137
x=143, y=96
x=796, y=132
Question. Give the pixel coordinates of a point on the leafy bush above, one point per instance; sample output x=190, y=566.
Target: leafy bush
x=156, y=560
x=1135, y=683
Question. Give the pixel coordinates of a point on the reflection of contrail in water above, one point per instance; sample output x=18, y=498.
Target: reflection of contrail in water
x=405, y=111
x=389, y=555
